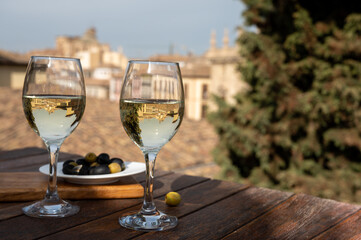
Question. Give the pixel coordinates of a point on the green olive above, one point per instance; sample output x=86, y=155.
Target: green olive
x=172, y=198
x=90, y=157
x=114, y=167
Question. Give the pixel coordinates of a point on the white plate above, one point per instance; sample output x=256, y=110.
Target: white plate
x=131, y=168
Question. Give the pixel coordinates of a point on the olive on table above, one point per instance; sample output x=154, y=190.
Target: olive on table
x=103, y=158
x=70, y=169
x=101, y=169
x=120, y=162
x=68, y=162
x=67, y=169
x=172, y=199
x=90, y=157
x=114, y=167
x=81, y=161
x=84, y=170
x=93, y=165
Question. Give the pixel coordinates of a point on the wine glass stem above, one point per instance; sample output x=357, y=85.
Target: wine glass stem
x=148, y=204
x=52, y=191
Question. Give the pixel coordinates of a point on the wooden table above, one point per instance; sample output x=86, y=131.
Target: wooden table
x=210, y=209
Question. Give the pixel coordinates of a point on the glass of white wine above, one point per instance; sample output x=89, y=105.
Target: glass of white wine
x=151, y=111
x=53, y=103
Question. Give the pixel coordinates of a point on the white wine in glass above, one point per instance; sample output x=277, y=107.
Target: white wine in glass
x=53, y=103
x=151, y=110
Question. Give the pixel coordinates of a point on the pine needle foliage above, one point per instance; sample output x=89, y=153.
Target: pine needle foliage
x=298, y=128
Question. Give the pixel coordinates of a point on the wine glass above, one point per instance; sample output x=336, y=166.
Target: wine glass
x=54, y=103
x=151, y=111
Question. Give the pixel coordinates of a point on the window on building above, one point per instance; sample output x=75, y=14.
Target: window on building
x=204, y=111
x=185, y=91
x=204, y=91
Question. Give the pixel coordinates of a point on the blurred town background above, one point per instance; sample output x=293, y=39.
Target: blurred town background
x=279, y=107
x=213, y=72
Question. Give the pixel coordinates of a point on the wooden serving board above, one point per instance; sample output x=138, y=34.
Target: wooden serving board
x=26, y=186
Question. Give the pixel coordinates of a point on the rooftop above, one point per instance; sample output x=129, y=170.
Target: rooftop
x=12, y=58
x=101, y=131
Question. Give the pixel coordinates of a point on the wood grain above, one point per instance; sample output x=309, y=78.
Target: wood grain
x=301, y=217
x=26, y=186
x=193, y=199
x=26, y=152
x=210, y=209
x=90, y=210
x=31, y=162
x=347, y=229
x=221, y=218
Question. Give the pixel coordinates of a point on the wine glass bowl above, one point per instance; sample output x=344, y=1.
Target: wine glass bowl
x=151, y=110
x=53, y=103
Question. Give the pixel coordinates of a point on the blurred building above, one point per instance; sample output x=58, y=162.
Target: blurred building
x=100, y=64
x=12, y=69
x=89, y=50
x=226, y=81
x=196, y=80
x=214, y=72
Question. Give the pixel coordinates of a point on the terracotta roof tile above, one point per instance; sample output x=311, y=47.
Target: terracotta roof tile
x=101, y=131
x=13, y=58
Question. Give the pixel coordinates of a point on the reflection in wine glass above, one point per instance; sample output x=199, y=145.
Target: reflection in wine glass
x=54, y=103
x=151, y=110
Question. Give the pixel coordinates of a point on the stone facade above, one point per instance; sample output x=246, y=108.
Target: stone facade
x=196, y=78
x=90, y=51
x=214, y=72
x=12, y=69
x=225, y=78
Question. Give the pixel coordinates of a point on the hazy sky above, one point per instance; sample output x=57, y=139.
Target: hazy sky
x=140, y=27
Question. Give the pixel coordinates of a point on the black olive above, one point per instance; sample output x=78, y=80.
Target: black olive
x=101, y=169
x=103, y=158
x=81, y=161
x=84, y=170
x=119, y=161
x=68, y=161
x=91, y=171
x=69, y=169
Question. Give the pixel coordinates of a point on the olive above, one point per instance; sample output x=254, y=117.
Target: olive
x=84, y=170
x=114, y=167
x=69, y=169
x=81, y=161
x=101, y=169
x=94, y=164
x=68, y=162
x=172, y=199
x=120, y=162
x=73, y=164
x=103, y=158
x=90, y=157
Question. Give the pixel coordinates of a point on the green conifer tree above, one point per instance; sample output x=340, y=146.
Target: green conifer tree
x=298, y=128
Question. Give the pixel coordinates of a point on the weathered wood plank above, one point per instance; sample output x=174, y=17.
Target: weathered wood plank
x=12, y=211
x=29, y=163
x=20, y=153
x=31, y=186
x=23, y=227
x=140, y=177
x=300, y=217
x=9, y=210
x=350, y=228
x=193, y=199
x=223, y=217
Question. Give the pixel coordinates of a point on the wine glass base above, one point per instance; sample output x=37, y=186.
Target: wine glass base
x=143, y=222
x=53, y=210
